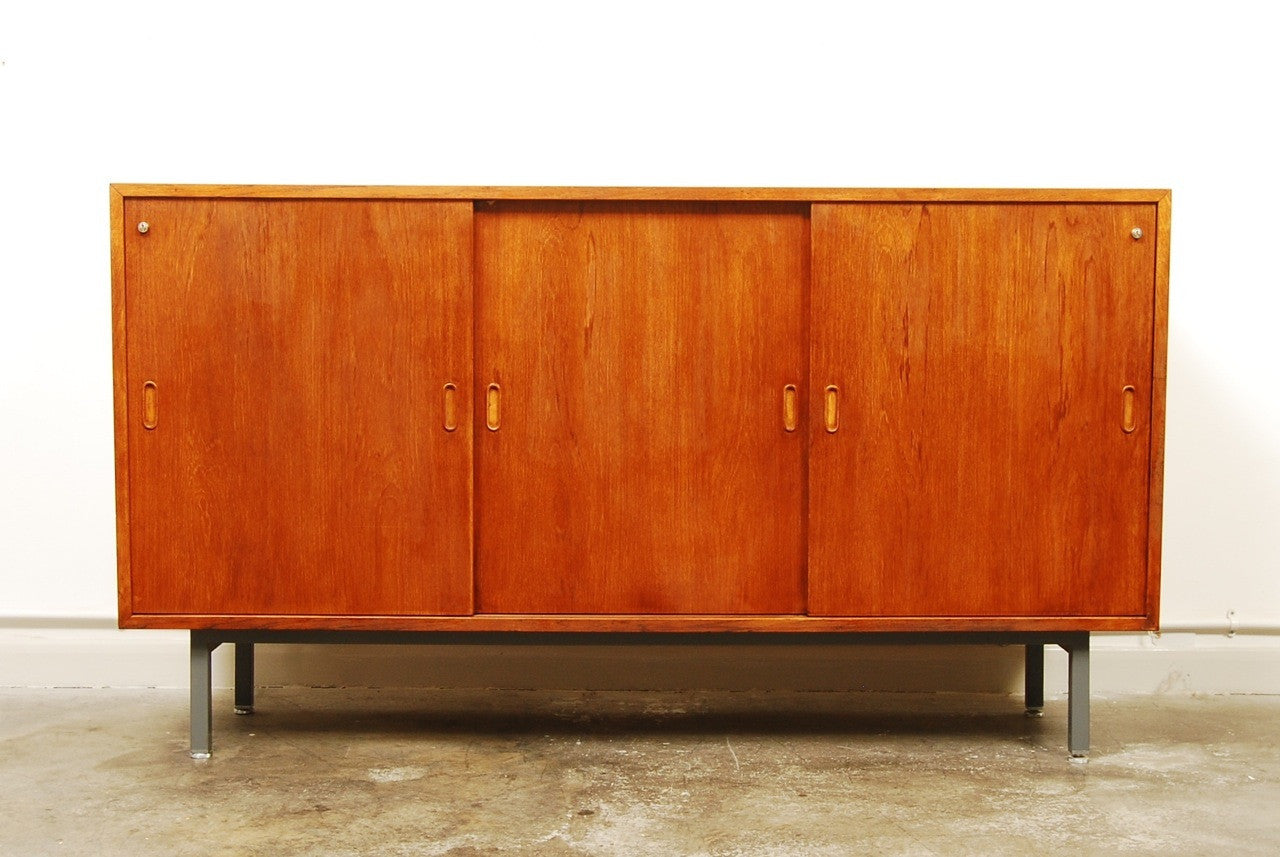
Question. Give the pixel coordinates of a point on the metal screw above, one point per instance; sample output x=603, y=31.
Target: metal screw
x=1136, y=233
x=143, y=227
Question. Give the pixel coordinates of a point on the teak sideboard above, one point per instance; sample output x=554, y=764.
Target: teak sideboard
x=459, y=414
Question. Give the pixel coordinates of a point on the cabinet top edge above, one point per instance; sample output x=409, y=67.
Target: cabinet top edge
x=639, y=194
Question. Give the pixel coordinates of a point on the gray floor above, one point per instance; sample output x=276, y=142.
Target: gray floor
x=463, y=772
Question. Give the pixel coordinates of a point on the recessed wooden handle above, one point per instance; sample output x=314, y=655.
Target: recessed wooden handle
x=1128, y=421
x=450, y=407
x=831, y=409
x=790, y=410
x=150, y=406
x=492, y=407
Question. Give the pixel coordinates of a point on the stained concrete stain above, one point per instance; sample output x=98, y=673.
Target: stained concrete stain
x=396, y=775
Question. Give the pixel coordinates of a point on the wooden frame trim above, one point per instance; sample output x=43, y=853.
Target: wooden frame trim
x=646, y=623
x=124, y=577
x=683, y=194
x=1159, y=372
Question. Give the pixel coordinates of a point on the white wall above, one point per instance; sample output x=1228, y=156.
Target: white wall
x=894, y=94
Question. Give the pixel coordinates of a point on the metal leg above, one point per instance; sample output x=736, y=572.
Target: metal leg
x=244, y=678
x=203, y=642
x=1034, y=684
x=1078, y=697
x=201, y=696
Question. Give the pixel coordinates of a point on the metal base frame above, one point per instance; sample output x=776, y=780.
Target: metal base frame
x=1075, y=643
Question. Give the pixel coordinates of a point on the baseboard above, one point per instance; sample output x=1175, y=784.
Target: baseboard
x=1181, y=663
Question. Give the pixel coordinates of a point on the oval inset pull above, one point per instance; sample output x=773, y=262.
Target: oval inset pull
x=831, y=409
x=150, y=407
x=450, y=407
x=790, y=411
x=1128, y=421
x=492, y=405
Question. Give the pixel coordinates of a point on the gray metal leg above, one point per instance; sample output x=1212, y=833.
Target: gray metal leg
x=1078, y=697
x=1076, y=644
x=201, y=696
x=244, y=678
x=1034, y=684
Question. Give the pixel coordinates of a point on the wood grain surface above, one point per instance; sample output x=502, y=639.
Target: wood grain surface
x=299, y=464
x=120, y=402
x=980, y=467
x=1159, y=372
x=636, y=622
x=642, y=464
x=671, y=194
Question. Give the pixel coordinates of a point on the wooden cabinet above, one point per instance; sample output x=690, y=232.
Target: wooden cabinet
x=682, y=409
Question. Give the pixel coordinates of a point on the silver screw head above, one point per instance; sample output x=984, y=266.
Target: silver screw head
x=1136, y=232
x=145, y=227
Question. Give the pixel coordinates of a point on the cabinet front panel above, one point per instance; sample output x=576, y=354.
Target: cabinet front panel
x=286, y=363
x=987, y=459
x=640, y=462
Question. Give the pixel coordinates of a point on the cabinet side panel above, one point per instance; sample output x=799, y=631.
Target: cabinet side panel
x=641, y=464
x=124, y=590
x=1160, y=360
x=298, y=352
x=981, y=466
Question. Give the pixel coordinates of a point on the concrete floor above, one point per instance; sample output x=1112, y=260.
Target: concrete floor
x=470, y=772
